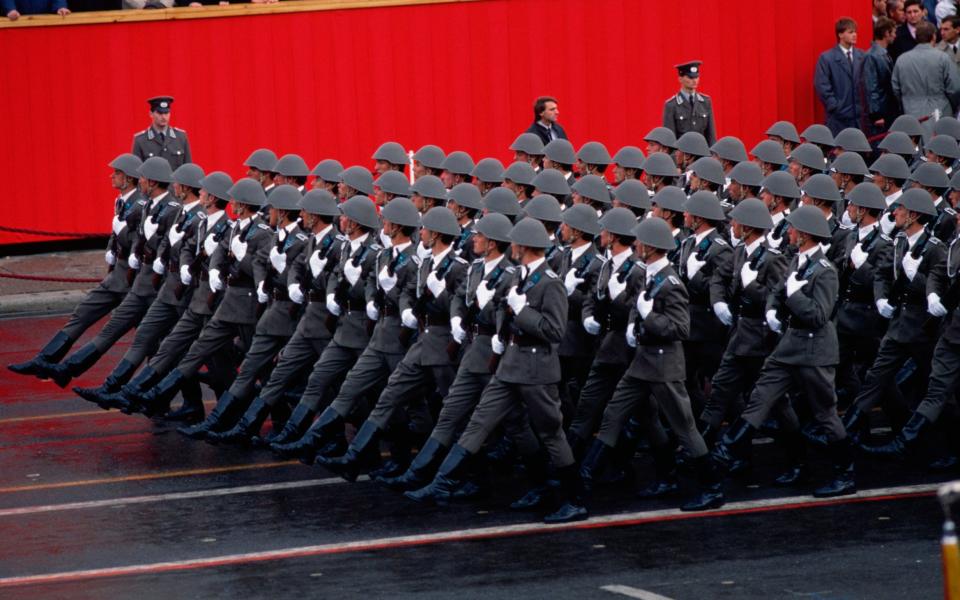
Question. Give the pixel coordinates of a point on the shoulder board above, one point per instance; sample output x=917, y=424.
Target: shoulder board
x=702, y=96
x=264, y=226
x=341, y=237
x=416, y=259
x=901, y=235
x=202, y=216
x=774, y=251
x=173, y=203
x=847, y=227
x=602, y=259
x=886, y=237
x=179, y=130
x=139, y=133
x=510, y=269
x=826, y=263
x=301, y=236
x=673, y=279
x=720, y=241
x=949, y=211
x=477, y=261
x=142, y=202
x=460, y=260
x=935, y=241
x=672, y=99
x=549, y=273
x=376, y=247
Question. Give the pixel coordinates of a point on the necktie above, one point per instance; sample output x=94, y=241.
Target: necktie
x=849, y=54
x=954, y=47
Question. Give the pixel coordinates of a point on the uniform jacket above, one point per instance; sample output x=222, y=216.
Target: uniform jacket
x=858, y=314
x=576, y=340
x=945, y=223
x=909, y=298
x=749, y=335
x=946, y=49
x=681, y=116
x=430, y=349
x=838, y=85
x=386, y=333
x=877, y=73
x=659, y=356
x=175, y=146
x=480, y=323
x=943, y=281
x=280, y=317
x=924, y=79
x=169, y=252
x=313, y=322
x=463, y=245
x=241, y=277
x=352, y=323
x=709, y=285
x=839, y=236
x=613, y=314
x=194, y=254
x=165, y=215
x=541, y=131
x=121, y=244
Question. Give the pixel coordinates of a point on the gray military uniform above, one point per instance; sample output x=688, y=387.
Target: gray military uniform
x=577, y=347
x=172, y=145
x=681, y=115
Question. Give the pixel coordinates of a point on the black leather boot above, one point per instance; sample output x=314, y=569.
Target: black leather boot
x=248, y=426
x=279, y=415
x=797, y=471
x=128, y=399
x=448, y=477
x=856, y=423
x=539, y=492
x=665, y=467
x=620, y=468
x=906, y=440
x=421, y=470
x=191, y=411
x=323, y=430
x=53, y=352
x=77, y=364
x=226, y=410
x=502, y=452
x=156, y=400
x=710, y=483
x=844, y=480
x=709, y=434
x=402, y=441
x=291, y=431
x=120, y=375
x=734, y=446
x=572, y=506
x=362, y=453
x=593, y=463
x=577, y=444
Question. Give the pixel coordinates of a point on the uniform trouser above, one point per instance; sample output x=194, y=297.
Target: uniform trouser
x=816, y=383
x=735, y=376
x=573, y=376
x=881, y=378
x=370, y=372
x=160, y=319
x=124, y=318
x=646, y=401
x=542, y=403
x=216, y=339
x=296, y=357
x=944, y=377
x=857, y=354
x=95, y=305
x=408, y=385
x=262, y=350
x=178, y=341
x=335, y=361
x=702, y=361
x=600, y=384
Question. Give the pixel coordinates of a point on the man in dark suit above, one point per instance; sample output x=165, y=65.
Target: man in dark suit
x=882, y=105
x=837, y=79
x=907, y=31
x=545, y=114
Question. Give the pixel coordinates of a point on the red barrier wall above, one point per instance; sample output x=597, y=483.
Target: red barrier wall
x=337, y=83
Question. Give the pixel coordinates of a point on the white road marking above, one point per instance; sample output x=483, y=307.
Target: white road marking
x=632, y=592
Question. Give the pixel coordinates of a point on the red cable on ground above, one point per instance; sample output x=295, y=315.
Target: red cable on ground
x=48, y=278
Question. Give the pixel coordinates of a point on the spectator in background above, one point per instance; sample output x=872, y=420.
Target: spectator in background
x=545, y=114
x=924, y=79
x=895, y=11
x=837, y=78
x=950, y=38
x=879, y=9
x=907, y=32
x=14, y=8
x=882, y=105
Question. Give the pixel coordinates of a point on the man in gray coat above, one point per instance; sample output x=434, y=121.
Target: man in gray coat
x=924, y=79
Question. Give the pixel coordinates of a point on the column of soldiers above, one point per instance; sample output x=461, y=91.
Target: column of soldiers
x=475, y=312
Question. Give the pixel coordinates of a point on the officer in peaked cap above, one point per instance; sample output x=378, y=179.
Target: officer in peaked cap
x=390, y=156
x=689, y=110
x=161, y=138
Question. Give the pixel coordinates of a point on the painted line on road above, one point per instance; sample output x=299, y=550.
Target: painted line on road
x=482, y=533
x=82, y=413
x=632, y=592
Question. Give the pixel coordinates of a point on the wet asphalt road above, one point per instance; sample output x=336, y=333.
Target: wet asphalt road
x=84, y=489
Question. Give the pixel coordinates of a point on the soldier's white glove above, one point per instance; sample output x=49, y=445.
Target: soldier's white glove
x=934, y=306
x=117, y=225
x=858, y=256
x=262, y=296
x=351, y=272
x=631, y=337
x=435, y=284
x=386, y=280
x=722, y=310
x=150, y=227
x=516, y=300
x=158, y=266
x=773, y=322
x=278, y=260
x=748, y=274
x=372, y=312
x=456, y=329
x=209, y=244
x=694, y=265
x=887, y=223
x=110, y=258
x=484, y=294
x=332, y=307
x=644, y=305
x=174, y=235
x=317, y=264
x=571, y=281
x=884, y=308
x=496, y=344
x=408, y=319
x=216, y=284
x=794, y=284
x=238, y=248
x=423, y=252
x=185, y=277
x=591, y=326
x=295, y=293
x=134, y=262
x=385, y=240
x=911, y=265
x=615, y=287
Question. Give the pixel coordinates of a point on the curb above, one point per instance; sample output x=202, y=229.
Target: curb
x=21, y=305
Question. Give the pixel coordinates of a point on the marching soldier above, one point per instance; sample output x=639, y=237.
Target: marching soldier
x=821, y=192
x=546, y=209
x=290, y=169
x=769, y=155
x=628, y=164
x=689, y=110
x=502, y=201
x=390, y=156
x=785, y=134
x=932, y=178
x=457, y=167
x=260, y=166
x=559, y=155
x=633, y=195
x=428, y=160
x=552, y=183
x=593, y=159
x=465, y=202
x=487, y=174
x=161, y=139
x=779, y=191
x=518, y=178
x=661, y=139
x=326, y=175
x=659, y=171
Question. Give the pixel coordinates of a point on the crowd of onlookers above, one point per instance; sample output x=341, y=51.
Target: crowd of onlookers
x=12, y=9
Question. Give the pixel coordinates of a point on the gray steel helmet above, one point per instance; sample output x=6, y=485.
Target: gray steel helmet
x=629, y=157
x=359, y=178
x=495, y=227
x=947, y=126
x=529, y=143
x=217, y=184
x=781, y=183
x=429, y=186
x=955, y=181
x=440, y=219
x=188, y=174
x=430, y=156
x=752, y=212
x=466, y=195
x=891, y=165
x=328, y=170
x=897, y=142
x=818, y=134
x=488, y=170
x=551, y=181
x=867, y=195
x=693, y=143
x=662, y=136
x=633, y=193
x=670, y=198
x=909, y=125
x=128, y=164
x=520, y=172
x=560, y=151
x=619, y=221
x=850, y=163
x=593, y=187
x=747, y=173
x=918, y=201
x=156, y=168
x=247, y=191
x=784, y=130
x=943, y=145
x=822, y=187
x=809, y=156
x=285, y=197
x=401, y=211
x=582, y=218
x=769, y=151
x=809, y=219
x=394, y=182
x=530, y=233
x=291, y=165
x=261, y=160
x=730, y=148
x=503, y=201
x=660, y=164
x=594, y=153
x=391, y=152
x=931, y=175
x=458, y=162
x=852, y=139
x=543, y=207
x=709, y=169
x=656, y=233
x=705, y=205
x=362, y=210
x=320, y=202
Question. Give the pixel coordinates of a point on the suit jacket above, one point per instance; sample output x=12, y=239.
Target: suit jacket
x=708, y=286
x=681, y=116
x=542, y=133
x=280, y=317
x=175, y=146
x=749, y=335
x=878, y=88
x=838, y=85
x=164, y=214
x=193, y=253
x=943, y=281
x=430, y=349
x=909, y=297
x=576, y=340
x=169, y=252
x=479, y=322
x=386, y=333
x=659, y=356
x=902, y=43
x=241, y=277
x=613, y=314
x=121, y=243
x=313, y=322
x=925, y=79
